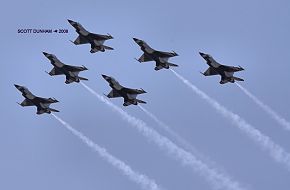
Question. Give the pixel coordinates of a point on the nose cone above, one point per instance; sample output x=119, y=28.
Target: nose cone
x=105, y=77
x=17, y=86
x=202, y=54
x=137, y=40
x=71, y=21
x=20, y=88
x=45, y=54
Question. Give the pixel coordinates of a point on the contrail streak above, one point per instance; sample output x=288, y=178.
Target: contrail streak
x=178, y=138
x=168, y=130
x=283, y=122
x=138, y=178
x=275, y=150
x=218, y=180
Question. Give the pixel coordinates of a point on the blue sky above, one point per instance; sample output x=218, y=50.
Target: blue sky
x=37, y=153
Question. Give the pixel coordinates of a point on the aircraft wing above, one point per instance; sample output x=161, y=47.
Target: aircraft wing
x=81, y=40
x=54, y=59
x=133, y=91
x=229, y=74
x=97, y=43
x=74, y=68
x=40, y=110
x=145, y=47
x=69, y=80
x=144, y=58
x=113, y=94
x=99, y=37
x=231, y=68
x=210, y=71
x=210, y=61
x=166, y=54
x=46, y=100
x=25, y=91
x=127, y=103
x=55, y=71
x=158, y=67
x=26, y=102
x=132, y=100
x=80, y=29
x=115, y=84
x=100, y=42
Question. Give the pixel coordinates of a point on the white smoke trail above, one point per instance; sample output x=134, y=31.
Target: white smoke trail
x=218, y=180
x=179, y=139
x=275, y=150
x=140, y=179
x=283, y=122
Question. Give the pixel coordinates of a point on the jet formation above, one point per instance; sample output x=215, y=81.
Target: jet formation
x=129, y=95
x=42, y=104
x=150, y=54
x=85, y=37
x=59, y=68
x=226, y=72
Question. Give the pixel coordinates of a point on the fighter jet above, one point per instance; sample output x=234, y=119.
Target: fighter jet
x=226, y=72
x=59, y=68
x=42, y=104
x=150, y=54
x=85, y=37
x=128, y=94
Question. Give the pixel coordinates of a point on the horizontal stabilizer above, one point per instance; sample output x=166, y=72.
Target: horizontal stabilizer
x=82, y=78
x=53, y=110
x=238, y=79
x=172, y=65
x=107, y=47
x=141, y=101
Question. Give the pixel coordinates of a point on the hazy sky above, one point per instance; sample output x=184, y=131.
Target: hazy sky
x=38, y=153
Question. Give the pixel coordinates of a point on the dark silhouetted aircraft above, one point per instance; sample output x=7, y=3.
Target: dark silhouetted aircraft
x=59, y=68
x=128, y=94
x=85, y=37
x=226, y=72
x=42, y=104
x=150, y=54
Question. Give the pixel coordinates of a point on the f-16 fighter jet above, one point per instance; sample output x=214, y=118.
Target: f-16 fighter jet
x=42, y=104
x=226, y=72
x=59, y=68
x=85, y=37
x=128, y=94
x=150, y=54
